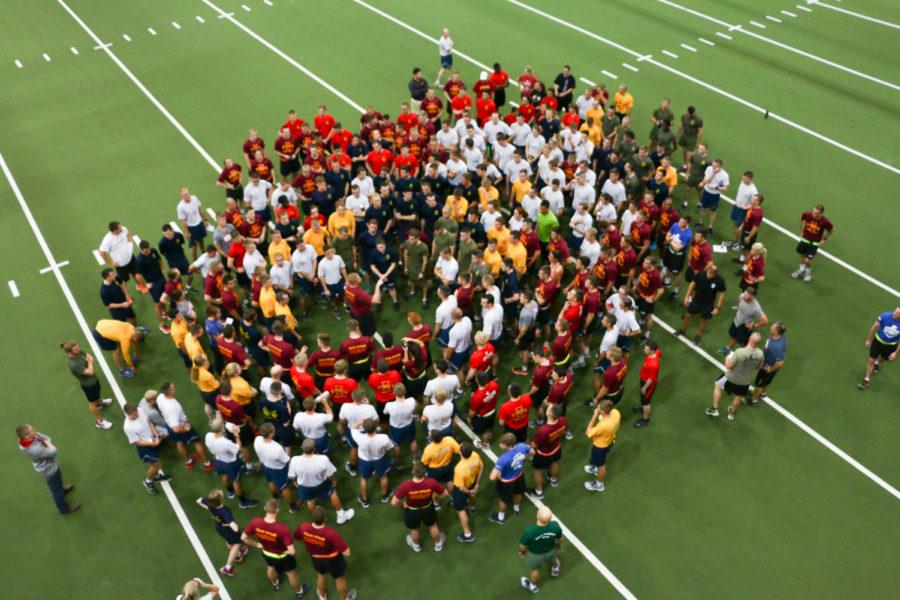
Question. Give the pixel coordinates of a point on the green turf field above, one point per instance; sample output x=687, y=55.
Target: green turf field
x=796, y=504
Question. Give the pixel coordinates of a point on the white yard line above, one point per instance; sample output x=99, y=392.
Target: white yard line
x=850, y=13
x=175, y=226
x=670, y=54
x=176, y=25
x=803, y=8
x=610, y=75
x=126, y=37
x=211, y=213
x=151, y=31
x=18, y=63
x=98, y=258
x=781, y=45
x=13, y=288
x=200, y=19
x=51, y=267
x=788, y=13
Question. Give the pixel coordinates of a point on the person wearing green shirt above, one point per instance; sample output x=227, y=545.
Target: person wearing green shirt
x=442, y=239
x=546, y=222
x=662, y=115
x=690, y=132
x=447, y=221
x=415, y=261
x=609, y=124
x=81, y=365
x=344, y=247
x=467, y=248
x=539, y=545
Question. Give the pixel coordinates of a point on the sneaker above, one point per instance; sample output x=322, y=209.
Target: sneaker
x=337, y=315
x=208, y=466
x=722, y=351
x=579, y=363
x=796, y=274
x=876, y=367
x=150, y=487
x=526, y=583
x=554, y=570
x=248, y=503
x=226, y=570
x=590, y=469
x=243, y=554
x=553, y=481
x=679, y=332
x=363, y=503
x=594, y=486
x=589, y=403
x=712, y=412
x=520, y=371
x=569, y=435
x=143, y=330
x=189, y=463
x=482, y=445
x=751, y=402
x=276, y=585
x=350, y=469
x=164, y=329
x=697, y=340
x=439, y=545
x=471, y=509
x=105, y=402
x=293, y=507
x=535, y=494
x=674, y=294
x=641, y=423
x=162, y=477
x=352, y=594
x=465, y=539
x=409, y=542
x=229, y=493
x=730, y=414
x=495, y=518
x=807, y=277
x=103, y=424
x=863, y=384
x=126, y=372
x=345, y=515
x=385, y=498
x=304, y=589
x=437, y=505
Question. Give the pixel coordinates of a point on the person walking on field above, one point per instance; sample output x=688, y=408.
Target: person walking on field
x=418, y=496
x=883, y=343
x=774, y=352
x=226, y=528
x=328, y=551
x=40, y=449
x=142, y=434
x=81, y=365
x=277, y=545
x=741, y=366
x=539, y=545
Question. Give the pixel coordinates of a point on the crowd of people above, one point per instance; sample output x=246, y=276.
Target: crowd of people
x=543, y=234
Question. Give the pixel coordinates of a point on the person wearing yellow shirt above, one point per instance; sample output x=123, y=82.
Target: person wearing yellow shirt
x=466, y=477
x=438, y=456
x=241, y=391
x=278, y=245
x=283, y=310
x=519, y=188
x=602, y=432
x=206, y=382
x=316, y=237
x=623, y=101
x=670, y=175
x=595, y=112
x=192, y=342
x=117, y=337
x=267, y=300
x=178, y=329
x=341, y=217
x=492, y=258
x=518, y=254
x=592, y=130
x=487, y=193
x=500, y=233
x=458, y=206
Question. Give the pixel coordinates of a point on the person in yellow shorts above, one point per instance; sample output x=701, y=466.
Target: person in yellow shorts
x=602, y=432
x=466, y=478
x=122, y=339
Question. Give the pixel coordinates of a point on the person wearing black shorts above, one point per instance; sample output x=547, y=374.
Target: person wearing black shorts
x=328, y=551
x=418, y=496
x=774, y=352
x=704, y=297
x=274, y=539
x=226, y=528
x=81, y=365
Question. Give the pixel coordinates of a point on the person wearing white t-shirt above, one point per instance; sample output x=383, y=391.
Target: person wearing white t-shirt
x=515, y=166
x=605, y=210
x=284, y=190
x=491, y=319
x=743, y=198
x=495, y=127
x=615, y=189
x=519, y=132
x=205, y=261
x=401, y=414
x=446, y=137
x=441, y=381
x=117, y=251
x=715, y=183
x=352, y=413
x=365, y=183
x=472, y=155
x=580, y=222
x=534, y=143
x=503, y=152
x=193, y=220
x=445, y=51
x=331, y=272
x=572, y=139
x=142, y=434
x=227, y=460
x=182, y=432
x=314, y=475
x=458, y=342
x=446, y=268
x=257, y=194
x=585, y=102
x=438, y=416
x=456, y=168
x=629, y=217
x=590, y=247
x=583, y=192
x=312, y=425
x=621, y=305
x=274, y=461
x=357, y=204
x=443, y=315
x=531, y=203
x=373, y=460
x=554, y=195
x=253, y=258
x=281, y=274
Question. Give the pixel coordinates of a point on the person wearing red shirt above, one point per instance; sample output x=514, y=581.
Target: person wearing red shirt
x=745, y=231
x=571, y=117
x=649, y=376
x=561, y=379
x=294, y=123
x=418, y=497
x=482, y=358
x=281, y=352
x=339, y=138
x=432, y=106
x=549, y=101
x=287, y=150
x=274, y=539
x=252, y=145
x=407, y=119
x=500, y=81
x=304, y=384
x=328, y=552
x=322, y=360
x=378, y=158
x=526, y=81
x=753, y=272
x=613, y=378
x=323, y=122
x=649, y=288
x=484, y=107
x=460, y=104
x=547, y=445
x=483, y=85
x=360, y=302
x=339, y=387
x=406, y=161
x=527, y=110
x=230, y=179
x=357, y=350
x=382, y=382
x=626, y=261
x=572, y=309
x=483, y=408
x=540, y=378
x=815, y=231
x=513, y=414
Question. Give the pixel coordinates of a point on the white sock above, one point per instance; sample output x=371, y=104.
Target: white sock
x=501, y=515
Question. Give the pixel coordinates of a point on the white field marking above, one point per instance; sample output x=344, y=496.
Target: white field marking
x=176, y=25
x=788, y=13
x=51, y=267
x=211, y=213
x=851, y=13
x=573, y=539
x=782, y=45
x=46, y=57
x=267, y=2
x=672, y=54
x=587, y=81
x=514, y=104
x=102, y=46
x=245, y=7
x=630, y=68
x=151, y=30
x=98, y=258
x=773, y=19
x=211, y=570
x=226, y=15
x=287, y=58
x=378, y=338
x=645, y=57
x=688, y=48
x=13, y=288
x=706, y=41
x=709, y=86
x=136, y=240
x=610, y=75
x=127, y=37
x=803, y=8
x=74, y=50
x=724, y=35
x=175, y=226
x=734, y=27
x=211, y=228
x=790, y=417
x=200, y=19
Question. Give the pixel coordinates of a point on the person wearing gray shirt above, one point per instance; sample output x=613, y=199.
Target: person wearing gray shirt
x=527, y=323
x=40, y=449
x=748, y=317
x=740, y=368
x=774, y=352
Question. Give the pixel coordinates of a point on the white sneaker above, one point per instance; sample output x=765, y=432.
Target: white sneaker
x=103, y=424
x=409, y=542
x=594, y=486
x=730, y=414
x=796, y=274
x=590, y=469
x=345, y=515
x=439, y=545
x=526, y=583
x=807, y=276
x=105, y=402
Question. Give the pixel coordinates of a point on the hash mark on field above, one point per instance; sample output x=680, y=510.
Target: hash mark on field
x=672, y=54
x=267, y=2
x=271, y=226
x=690, y=48
x=151, y=30
x=103, y=46
x=755, y=24
x=127, y=37
x=226, y=15
x=137, y=240
x=97, y=257
x=610, y=75
x=789, y=13
x=645, y=57
x=176, y=25
x=630, y=68
x=200, y=19
x=723, y=35
x=245, y=7
x=211, y=212
x=587, y=81
x=803, y=8
x=176, y=227
x=51, y=267
x=514, y=104
x=46, y=57
x=13, y=288
x=74, y=50
x=706, y=41
x=773, y=19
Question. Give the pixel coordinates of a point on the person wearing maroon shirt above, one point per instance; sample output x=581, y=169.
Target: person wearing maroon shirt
x=321, y=362
x=668, y=216
x=745, y=233
x=513, y=414
x=483, y=408
x=453, y=86
x=274, y=539
x=605, y=271
x=547, y=445
x=328, y=551
x=230, y=179
x=252, y=145
x=212, y=283
x=640, y=235
x=540, y=378
x=280, y=350
x=591, y=306
x=382, y=382
x=356, y=350
x=559, y=246
x=391, y=354
x=613, y=378
x=287, y=150
x=360, y=303
x=262, y=167
x=753, y=272
x=418, y=496
x=230, y=350
x=230, y=302
x=649, y=288
x=699, y=256
x=561, y=380
x=465, y=292
x=529, y=239
x=433, y=106
x=545, y=294
x=815, y=231
x=626, y=261
x=560, y=349
x=233, y=413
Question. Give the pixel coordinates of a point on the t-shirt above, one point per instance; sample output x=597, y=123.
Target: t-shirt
x=548, y=438
x=706, y=289
x=814, y=229
x=401, y=412
x=650, y=367
x=511, y=464
x=223, y=449
x=220, y=514
x=271, y=454
x=466, y=471
x=440, y=454
x=418, y=494
x=774, y=350
x=320, y=542
x=311, y=425
x=541, y=539
x=888, y=329
x=439, y=416
x=747, y=312
x=416, y=257
x=310, y=470
x=603, y=434
x=515, y=412
x=747, y=362
x=77, y=367
x=275, y=537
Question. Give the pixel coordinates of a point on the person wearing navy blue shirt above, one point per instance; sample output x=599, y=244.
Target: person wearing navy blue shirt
x=148, y=272
x=773, y=359
x=251, y=335
x=323, y=197
x=383, y=264
x=115, y=298
x=883, y=342
x=382, y=214
x=658, y=187
x=509, y=289
x=429, y=212
x=678, y=244
x=338, y=179
x=225, y=527
x=171, y=246
x=404, y=214
x=509, y=473
x=406, y=182
x=367, y=241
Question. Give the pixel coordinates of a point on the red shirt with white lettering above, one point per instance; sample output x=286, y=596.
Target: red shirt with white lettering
x=484, y=400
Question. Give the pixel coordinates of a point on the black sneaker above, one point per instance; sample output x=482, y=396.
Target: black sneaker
x=248, y=503
x=641, y=423
x=637, y=408
x=385, y=498
x=465, y=539
x=589, y=403
x=304, y=589
x=350, y=469
x=495, y=518
x=697, y=339
x=535, y=494
x=162, y=477
x=679, y=332
x=363, y=503
x=150, y=487
x=876, y=367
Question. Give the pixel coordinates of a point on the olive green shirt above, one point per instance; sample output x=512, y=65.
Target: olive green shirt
x=416, y=256
x=466, y=250
x=77, y=366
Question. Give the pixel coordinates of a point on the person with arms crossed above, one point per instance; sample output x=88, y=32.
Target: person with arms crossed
x=81, y=365
x=42, y=452
x=883, y=343
x=418, y=496
x=182, y=432
x=539, y=545
x=277, y=545
x=509, y=473
x=142, y=434
x=328, y=551
x=741, y=366
x=773, y=359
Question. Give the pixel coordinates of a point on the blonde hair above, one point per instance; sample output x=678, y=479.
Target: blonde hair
x=191, y=590
x=759, y=249
x=231, y=370
x=199, y=362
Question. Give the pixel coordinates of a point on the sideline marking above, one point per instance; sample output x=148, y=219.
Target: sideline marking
x=51, y=267
x=200, y=19
x=788, y=13
x=803, y=8
x=101, y=45
x=18, y=63
x=13, y=288
x=849, y=12
x=773, y=19
x=756, y=24
x=98, y=258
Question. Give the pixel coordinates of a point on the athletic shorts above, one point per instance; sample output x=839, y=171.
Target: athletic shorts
x=181, y=263
x=316, y=492
x=764, y=378
x=156, y=289
x=104, y=343
x=459, y=499
x=674, y=262
x=807, y=249
x=746, y=242
x=710, y=201
x=92, y=392
x=623, y=342
x=443, y=337
x=521, y=434
x=598, y=455
x=198, y=232
x=600, y=367
x=733, y=389
x=483, y=423
x=540, y=461
x=335, y=566
x=740, y=334
x=288, y=167
x=458, y=361
x=879, y=349
x=185, y=437
x=305, y=286
x=507, y=489
x=447, y=61
x=232, y=470
x=533, y=562
x=645, y=307
x=366, y=323
x=616, y=396
x=323, y=444
x=281, y=564
x=237, y=193
x=336, y=289
x=414, y=517
x=526, y=341
x=379, y=409
x=441, y=474
x=277, y=477
x=646, y=398
x=738, y=215
x=543, y=316
x=403, y=435
x=366, y=468
x=148, y=454
x=125, y=272
x=230, y=536
x=704, y=310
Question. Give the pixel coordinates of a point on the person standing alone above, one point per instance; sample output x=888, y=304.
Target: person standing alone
x=40, y=449
x=81, y=365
